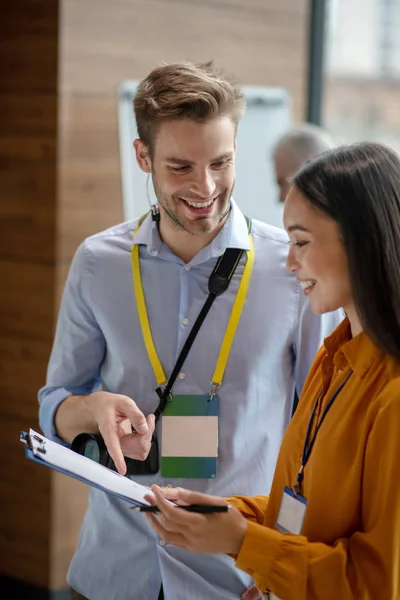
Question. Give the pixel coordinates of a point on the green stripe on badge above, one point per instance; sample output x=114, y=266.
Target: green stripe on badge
x=191, y=406
x=189, y=467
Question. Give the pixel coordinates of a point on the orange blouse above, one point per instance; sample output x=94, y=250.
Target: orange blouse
x=349, y=547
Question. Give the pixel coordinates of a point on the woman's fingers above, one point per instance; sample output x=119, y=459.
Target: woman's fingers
x=183, y=496
x=172, y=537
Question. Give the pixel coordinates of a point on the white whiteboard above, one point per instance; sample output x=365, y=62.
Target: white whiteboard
x=267, y=117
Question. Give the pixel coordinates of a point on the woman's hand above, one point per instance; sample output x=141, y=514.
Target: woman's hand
x=200, y=533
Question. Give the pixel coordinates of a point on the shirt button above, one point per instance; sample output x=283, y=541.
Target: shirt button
x=162, y=542
x=181, y=375
x=188, y=268
x=185, y=321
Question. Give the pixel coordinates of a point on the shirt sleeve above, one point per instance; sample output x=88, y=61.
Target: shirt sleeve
x=252, y=508
x=78, y=348
x=309, y=336
x=364, y=565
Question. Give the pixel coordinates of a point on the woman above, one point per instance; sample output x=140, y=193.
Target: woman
x=337, y=536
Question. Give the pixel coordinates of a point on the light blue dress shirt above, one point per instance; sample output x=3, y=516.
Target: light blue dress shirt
x=98, y=341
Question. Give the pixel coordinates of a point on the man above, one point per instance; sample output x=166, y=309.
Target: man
x=187, y=117
x=293, y=149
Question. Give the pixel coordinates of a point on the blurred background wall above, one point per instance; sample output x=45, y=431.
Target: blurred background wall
x=61, y=64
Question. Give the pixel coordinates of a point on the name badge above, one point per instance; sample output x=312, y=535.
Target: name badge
x=292, y=512
x=189, y=438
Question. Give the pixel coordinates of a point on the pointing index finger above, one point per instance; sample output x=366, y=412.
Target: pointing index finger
x=113, y=445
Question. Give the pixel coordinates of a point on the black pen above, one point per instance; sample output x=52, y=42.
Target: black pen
x=205, y=509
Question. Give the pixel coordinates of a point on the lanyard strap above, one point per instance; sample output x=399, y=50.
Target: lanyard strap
x=309, y=443
x=218, y=283
x=142, y=311
x=233, y=319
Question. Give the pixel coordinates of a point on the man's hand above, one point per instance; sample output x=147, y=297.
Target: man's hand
x=115, y=416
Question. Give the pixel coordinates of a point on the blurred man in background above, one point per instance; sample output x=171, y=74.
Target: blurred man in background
x=294, y=148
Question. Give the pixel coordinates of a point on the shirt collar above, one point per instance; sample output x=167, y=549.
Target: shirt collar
x=234, y=234
x=359, y=352
x=148, y=236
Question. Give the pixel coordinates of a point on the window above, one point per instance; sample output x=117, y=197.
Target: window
x=362, y=73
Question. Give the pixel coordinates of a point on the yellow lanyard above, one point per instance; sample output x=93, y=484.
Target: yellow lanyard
x=230, y=330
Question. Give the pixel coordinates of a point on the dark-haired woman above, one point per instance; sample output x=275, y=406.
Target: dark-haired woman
x=330, y=528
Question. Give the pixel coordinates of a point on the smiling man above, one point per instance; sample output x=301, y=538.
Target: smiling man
x=133, y=295
x=193, y=171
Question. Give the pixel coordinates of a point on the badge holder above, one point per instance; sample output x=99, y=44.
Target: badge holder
x=189, y=446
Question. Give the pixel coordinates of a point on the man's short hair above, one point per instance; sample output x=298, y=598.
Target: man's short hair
x=184, y=90
x=303, y=143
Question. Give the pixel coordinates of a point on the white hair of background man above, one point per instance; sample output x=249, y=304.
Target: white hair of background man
x=304, y=142
x=294, y=148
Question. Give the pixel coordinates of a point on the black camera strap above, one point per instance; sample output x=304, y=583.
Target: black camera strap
x=218, y=283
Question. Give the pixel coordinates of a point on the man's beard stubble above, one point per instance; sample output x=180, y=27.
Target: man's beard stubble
x=166, y=203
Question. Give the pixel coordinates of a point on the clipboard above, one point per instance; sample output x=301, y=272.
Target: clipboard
x=64, y=460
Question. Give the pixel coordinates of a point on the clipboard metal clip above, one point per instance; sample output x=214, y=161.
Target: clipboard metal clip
x=26, y=439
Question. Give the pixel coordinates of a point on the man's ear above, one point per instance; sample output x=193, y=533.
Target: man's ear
x=142, y=156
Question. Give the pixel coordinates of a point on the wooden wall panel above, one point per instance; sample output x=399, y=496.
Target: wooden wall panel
x=69, y=501
x=89, y=127
x=125, y=39
x=25, y=492
x=29, y=38
x=93, y=202
x=28, y=114
x=27, y=219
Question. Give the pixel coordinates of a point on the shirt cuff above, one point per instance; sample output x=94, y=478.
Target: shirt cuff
x=252, y=508
x=50, y=400
x=258, y=553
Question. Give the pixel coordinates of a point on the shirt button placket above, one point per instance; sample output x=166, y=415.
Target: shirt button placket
x=184, y=300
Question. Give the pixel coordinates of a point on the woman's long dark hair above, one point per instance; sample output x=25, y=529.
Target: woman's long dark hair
x=359, y=187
